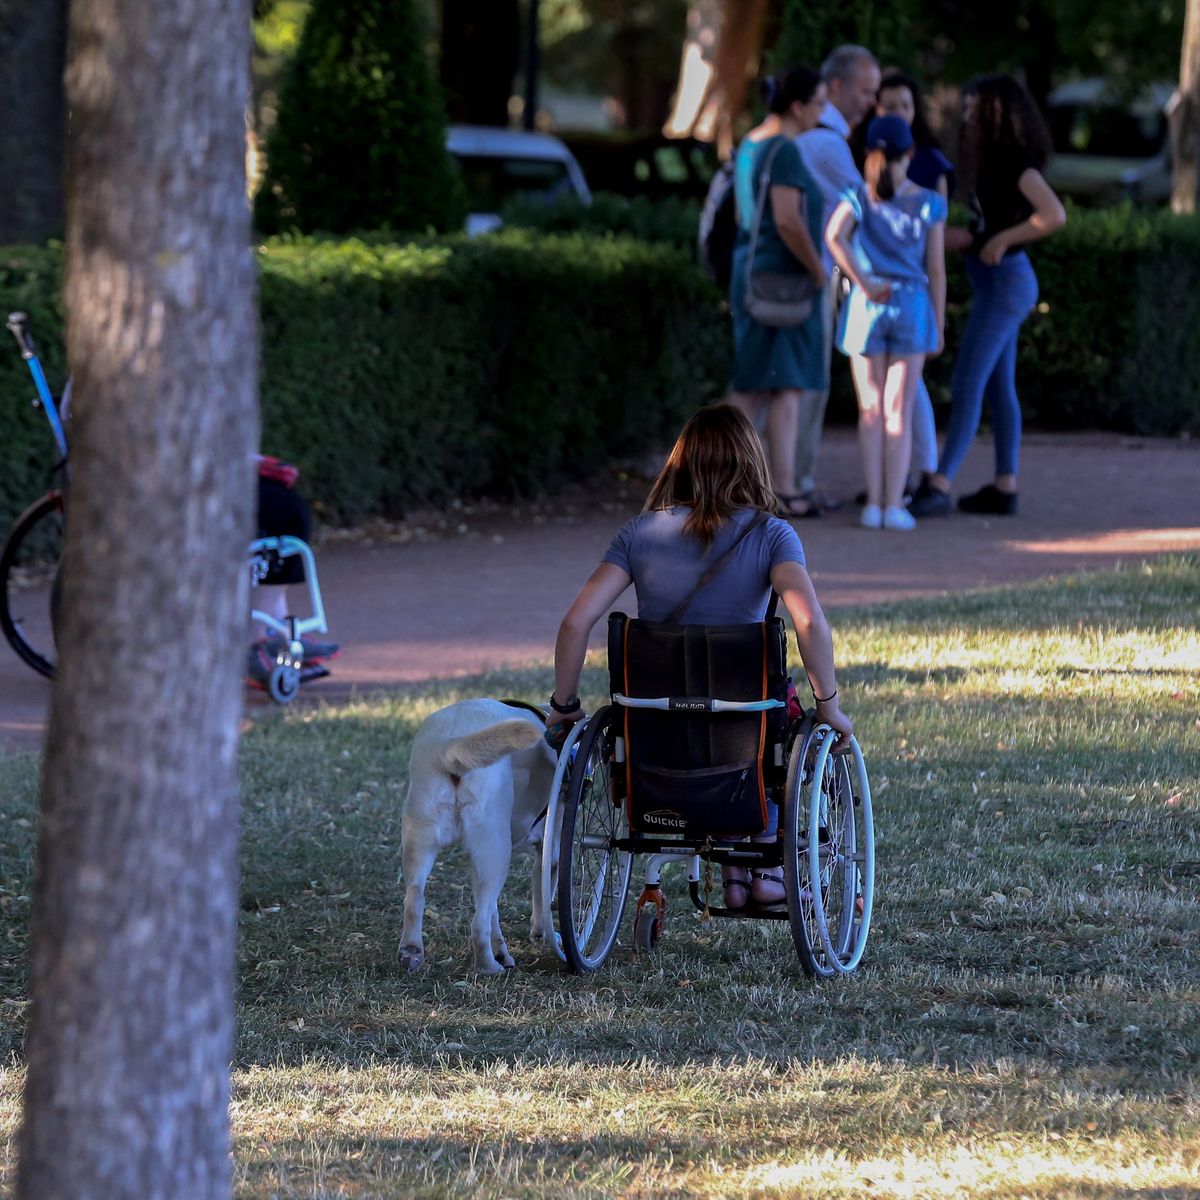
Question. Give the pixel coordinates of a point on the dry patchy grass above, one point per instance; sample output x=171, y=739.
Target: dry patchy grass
x=1025, y=1025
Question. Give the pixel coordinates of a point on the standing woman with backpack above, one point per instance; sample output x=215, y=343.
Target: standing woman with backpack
x=779, y=233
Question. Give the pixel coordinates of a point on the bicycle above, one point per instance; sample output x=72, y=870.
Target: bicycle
x=30, y=571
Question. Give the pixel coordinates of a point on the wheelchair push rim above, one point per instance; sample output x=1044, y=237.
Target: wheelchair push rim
x=593, y=875
x=829, y=854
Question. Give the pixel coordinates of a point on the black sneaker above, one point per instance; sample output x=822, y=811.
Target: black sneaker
x=990, y=501
x=929, y=501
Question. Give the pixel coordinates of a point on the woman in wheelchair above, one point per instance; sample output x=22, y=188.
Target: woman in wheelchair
x=708, y=548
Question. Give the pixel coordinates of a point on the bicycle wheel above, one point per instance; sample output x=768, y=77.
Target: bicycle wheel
x=29, y=582
x=593, y=877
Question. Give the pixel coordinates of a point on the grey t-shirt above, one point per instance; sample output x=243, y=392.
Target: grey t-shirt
x=665, y=564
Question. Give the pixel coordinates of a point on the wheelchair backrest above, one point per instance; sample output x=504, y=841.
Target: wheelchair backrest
x=700, y=763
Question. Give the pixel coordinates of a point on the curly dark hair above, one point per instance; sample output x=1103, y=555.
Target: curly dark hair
x=1003, y=129
x=922, y=134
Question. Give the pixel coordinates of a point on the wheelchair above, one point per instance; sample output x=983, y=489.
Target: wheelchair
x=684, y=764
x=287, y=672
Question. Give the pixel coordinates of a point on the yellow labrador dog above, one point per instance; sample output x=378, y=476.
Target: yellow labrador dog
x=479, y=777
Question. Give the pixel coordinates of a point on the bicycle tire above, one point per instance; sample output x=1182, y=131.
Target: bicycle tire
x=34, y=543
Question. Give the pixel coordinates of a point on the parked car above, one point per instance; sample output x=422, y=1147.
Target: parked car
x=500, y=164
x=645, y=164
x=1106, y=149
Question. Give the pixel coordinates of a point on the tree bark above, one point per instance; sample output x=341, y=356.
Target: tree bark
x=33, y=38
x=1185, y=118
x=481, y=48
x=721, y=54
x=135, y=890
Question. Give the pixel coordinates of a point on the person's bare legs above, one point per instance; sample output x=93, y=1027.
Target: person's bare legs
x=870, y=379
x=903, y=375
x=783, y=419
x=779, y=439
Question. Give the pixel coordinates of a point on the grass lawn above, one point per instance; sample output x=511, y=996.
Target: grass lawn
x=1026, y=1023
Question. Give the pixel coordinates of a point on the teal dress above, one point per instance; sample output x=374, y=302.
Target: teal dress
x=767, y=359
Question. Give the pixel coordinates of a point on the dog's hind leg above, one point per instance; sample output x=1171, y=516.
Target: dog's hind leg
x=490, y=868
x=418, y=863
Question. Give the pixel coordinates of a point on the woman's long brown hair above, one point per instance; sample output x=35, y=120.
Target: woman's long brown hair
x=715, y=468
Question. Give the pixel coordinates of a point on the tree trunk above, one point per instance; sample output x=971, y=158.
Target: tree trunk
x=1185, y=118
x=481, y=48
x=135, y=890
x=33, y=38
x=721, y=54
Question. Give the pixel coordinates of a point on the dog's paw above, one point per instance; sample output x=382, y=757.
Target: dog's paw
x=491, y=967
x=506, y=960
x=410, y=957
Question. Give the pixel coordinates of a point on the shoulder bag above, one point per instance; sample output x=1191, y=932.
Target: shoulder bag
x=775, y=298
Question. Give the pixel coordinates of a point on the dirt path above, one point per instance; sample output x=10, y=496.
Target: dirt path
x=485, y=588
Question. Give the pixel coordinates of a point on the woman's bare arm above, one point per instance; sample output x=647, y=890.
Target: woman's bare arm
x=795, y=589
x=785, y=208
x=595, y=598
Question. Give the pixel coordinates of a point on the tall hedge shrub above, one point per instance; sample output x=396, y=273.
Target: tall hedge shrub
x=359, y=142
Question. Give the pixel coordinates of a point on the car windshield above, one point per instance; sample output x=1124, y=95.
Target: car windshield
x=491, y=180
x=1106, y=130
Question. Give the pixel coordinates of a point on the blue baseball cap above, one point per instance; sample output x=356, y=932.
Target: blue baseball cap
x=890, y=134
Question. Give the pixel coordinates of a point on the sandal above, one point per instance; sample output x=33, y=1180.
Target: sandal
x=810, y=509
x=737, y=890
x=767, y=886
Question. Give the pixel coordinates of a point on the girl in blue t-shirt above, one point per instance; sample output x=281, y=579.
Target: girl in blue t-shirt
x=895, y=315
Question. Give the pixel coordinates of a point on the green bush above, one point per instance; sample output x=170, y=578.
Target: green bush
x=397, y=375
x=673, y=221
x=359, y=142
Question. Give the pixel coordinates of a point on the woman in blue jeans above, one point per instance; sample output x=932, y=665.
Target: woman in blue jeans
x=1003, y=147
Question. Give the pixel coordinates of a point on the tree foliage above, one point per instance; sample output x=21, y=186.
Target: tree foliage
x=359, y=142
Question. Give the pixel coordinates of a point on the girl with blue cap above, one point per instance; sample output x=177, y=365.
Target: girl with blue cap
x=895, y=315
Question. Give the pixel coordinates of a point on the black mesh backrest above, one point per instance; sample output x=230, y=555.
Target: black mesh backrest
x=728, y=662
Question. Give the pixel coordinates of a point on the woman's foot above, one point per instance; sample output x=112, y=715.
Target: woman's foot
x=871, y=517
x=990, y=500
x=767, y=887
x=929, y=501
x=797, y=507
x=736, y=882
x=898, y=519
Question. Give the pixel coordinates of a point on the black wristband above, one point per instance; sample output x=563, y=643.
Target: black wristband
x=824, y=699
x=572, y=705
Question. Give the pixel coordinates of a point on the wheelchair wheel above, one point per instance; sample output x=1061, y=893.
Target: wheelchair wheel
x=283, y=684
x=829, y=854
x=646, y=929
x=30, y=585
x=593, y=876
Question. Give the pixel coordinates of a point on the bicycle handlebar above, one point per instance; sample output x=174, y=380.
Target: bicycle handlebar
x=18, y=325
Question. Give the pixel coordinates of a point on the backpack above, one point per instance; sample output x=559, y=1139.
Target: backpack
x=718, y=228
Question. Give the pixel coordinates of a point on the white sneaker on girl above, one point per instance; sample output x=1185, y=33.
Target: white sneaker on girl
x=871, y=517
x=898, y=518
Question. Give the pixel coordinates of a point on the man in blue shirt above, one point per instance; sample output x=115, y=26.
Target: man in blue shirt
x=851, y=75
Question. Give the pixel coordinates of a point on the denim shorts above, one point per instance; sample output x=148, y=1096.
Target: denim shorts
x=904, y=324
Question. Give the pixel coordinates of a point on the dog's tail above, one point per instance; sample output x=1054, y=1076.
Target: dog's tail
x=459, y=755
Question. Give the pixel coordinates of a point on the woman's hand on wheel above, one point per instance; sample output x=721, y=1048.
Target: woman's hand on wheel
x=829, y=712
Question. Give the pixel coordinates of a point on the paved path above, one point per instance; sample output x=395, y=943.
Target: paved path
x=485, y=587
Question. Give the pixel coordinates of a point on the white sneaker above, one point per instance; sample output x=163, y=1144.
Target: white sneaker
x=871, y=517
x=898, y=518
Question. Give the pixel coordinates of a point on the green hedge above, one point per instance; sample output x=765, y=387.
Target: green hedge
x=397, y=375
x=402, y=375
